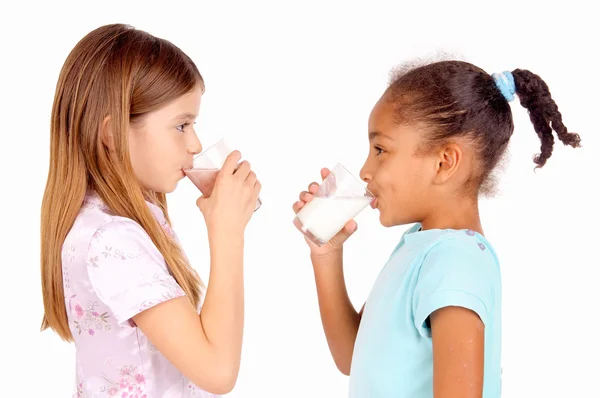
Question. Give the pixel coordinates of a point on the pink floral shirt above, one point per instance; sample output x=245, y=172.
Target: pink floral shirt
x=111, y=272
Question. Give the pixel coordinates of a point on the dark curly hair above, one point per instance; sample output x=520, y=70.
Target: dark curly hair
x=456, y=98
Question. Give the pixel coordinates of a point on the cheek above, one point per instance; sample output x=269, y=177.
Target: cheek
x=402, y=179
x=416, y=176
x=147, y=156
x=156, y=151
x=136, y=153
x=392, y=176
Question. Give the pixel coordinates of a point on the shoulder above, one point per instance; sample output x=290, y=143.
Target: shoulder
x=458, y=260
x=119, y=228
x=458, y=268
x=120, y=238
x=459, y=249
x=96, y=228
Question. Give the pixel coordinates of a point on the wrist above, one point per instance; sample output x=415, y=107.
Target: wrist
x=225, y=251
x=323, y=259
x=228, y=236
x=220, y=231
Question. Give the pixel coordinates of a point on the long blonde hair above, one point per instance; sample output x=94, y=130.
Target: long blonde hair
x=123, y=73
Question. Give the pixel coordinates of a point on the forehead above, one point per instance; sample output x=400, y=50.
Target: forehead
x=187, y=104
x=381, y=117
x=383, y=124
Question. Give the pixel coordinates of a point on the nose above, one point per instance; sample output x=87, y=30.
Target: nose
x=194, y=146
x=366, y=174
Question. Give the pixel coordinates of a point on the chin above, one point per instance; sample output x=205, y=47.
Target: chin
x=171, y=188
x=383, y=220
x=166, y=188
x=391, y=220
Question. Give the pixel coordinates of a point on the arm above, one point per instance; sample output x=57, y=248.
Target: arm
x=205, y=348
x=136, y=285
x=340, y=319
x=458, y=353
x=453, y=302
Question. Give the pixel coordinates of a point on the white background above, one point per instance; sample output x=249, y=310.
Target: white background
x=292, y=84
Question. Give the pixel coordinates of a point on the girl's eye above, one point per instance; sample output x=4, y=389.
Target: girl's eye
x=378, y=150
x=182, y=127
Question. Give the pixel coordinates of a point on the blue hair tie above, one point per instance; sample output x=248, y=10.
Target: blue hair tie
x=506, y=84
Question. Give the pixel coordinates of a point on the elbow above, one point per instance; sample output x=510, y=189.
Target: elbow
x=222, y=388
x=226, y=382
x=343, y=367
x=220, y=382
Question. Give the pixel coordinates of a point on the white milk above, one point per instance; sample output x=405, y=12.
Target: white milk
x=325, y=217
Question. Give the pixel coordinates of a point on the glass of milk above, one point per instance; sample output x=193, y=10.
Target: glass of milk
x=206, y=167
x=341, y=196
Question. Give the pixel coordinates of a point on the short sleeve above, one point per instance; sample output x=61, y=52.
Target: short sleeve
x=126, y=270
x=455, y=272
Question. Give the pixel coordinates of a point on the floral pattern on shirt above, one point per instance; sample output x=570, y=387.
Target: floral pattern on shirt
x=131, y=384
x=112, y=271
x=169, y=291
x=110, y=251
x=88, y=320
x=78, y=388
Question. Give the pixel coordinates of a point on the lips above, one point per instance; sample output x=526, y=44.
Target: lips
x=374, y=203
x=374, y=200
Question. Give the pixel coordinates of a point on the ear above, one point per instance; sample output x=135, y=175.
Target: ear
x=106, y=134
x=448, y=160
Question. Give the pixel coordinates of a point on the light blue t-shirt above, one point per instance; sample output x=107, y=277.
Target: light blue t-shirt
x=428, y=270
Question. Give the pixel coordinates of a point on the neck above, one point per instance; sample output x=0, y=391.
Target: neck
x=459, y=214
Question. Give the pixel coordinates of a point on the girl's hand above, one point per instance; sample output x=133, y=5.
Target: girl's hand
x=335, y=244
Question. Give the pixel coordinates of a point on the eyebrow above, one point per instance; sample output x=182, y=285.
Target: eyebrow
x=375, y=134
x=185, y=116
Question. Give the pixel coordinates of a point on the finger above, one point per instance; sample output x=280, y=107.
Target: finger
x=325, y=172
x=350, y=227
x=313, y=187
x=302, y=195
x=200, y=202
x=251, y=178
x=297, y=206
x=338, y=240
x=231, y=163
x=257, y=187
x=243, y=170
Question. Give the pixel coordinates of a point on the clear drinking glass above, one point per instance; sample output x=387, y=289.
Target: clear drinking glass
x=206, y=166
x=340, y=198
